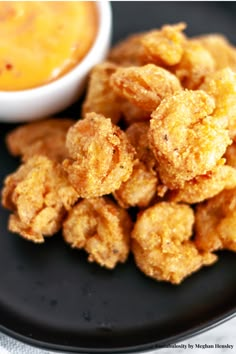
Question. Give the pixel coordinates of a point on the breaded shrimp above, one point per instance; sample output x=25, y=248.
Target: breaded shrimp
x=46, y=137
x=187, y=140
x=39, y=195
x=144, y=86
x=100, y=97
x=164, y=47
x=128, y=51
x=161, y=243
x=101, y=157
x=195, y=65
x=223, y=53
x=100, y=227
x=140, y=189
x=215, y=226
x=188, y=59
x=137, y=134
x=222, y=86
x=132, y=113
x=205, y=186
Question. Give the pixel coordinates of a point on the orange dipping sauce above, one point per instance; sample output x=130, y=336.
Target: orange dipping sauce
x=41, y=41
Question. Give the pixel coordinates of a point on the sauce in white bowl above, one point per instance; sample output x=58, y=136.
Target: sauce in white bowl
x=27, y=104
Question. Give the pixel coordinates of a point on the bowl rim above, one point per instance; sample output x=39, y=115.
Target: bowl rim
x=103, y=36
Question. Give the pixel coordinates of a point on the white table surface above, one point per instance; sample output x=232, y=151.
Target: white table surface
x=221, y=337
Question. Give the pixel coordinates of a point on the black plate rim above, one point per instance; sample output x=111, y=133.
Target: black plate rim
x=195, y=330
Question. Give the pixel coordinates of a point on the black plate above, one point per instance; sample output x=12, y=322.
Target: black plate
x=51, y=297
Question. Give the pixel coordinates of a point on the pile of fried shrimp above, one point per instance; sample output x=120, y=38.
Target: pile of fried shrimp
x=149, y=166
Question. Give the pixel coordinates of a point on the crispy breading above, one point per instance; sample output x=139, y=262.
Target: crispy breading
x=102, y=99
x=100, y=156
x=195, y=65
x=145, y=86
x=186, y=138
x=39, y=195
x=140, y=189
x=223, y=53
x=100, y=96
x=137, y=134
x=164, y=47
x=205, y=186
x=161, y=243
x=100, y=227
x=132, y=113
x=188, y=59
x=46, y=137
x=128, y=52
x=215, y=226
x=222, y=86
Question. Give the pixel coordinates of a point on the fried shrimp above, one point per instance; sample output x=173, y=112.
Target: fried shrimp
x=128, y=52
x=222, y=86
x=137, y=134
x=161, y=243
x=205, y=186
x=101, y=228
x=186, y=139
x=144, y=86
x=215, y=226
x=223, y=53
x=188, y=59
x=100, y=97
x=100, y=156
x=195, y=65
x=164, y=47
x=139, y=189
x=132, y=114
x=46, y=137
x=39, y=195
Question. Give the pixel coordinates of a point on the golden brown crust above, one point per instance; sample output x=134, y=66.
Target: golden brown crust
x=39, y=195
x=195, y=65
x=128, y=52
x=161, y=243
x=137, y=134
x=223, y=53
x=101, y=228
x=140, y=189
x=100, y=96
x=46, y=137
x=164, y=47
x=222, y=86
x=101, y=157
x=186, y=139
x=215, y=226
x=205, y=186
x=144, y=86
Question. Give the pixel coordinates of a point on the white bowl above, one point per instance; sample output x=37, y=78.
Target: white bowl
x=45, y=100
